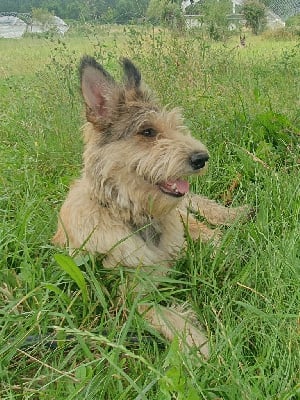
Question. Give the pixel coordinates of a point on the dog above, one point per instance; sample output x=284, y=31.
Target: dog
x=132, y=202
x=242, y=41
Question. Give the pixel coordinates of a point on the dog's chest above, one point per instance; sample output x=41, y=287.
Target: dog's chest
x=150, y=232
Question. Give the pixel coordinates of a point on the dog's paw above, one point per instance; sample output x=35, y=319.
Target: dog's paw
x=242, y=214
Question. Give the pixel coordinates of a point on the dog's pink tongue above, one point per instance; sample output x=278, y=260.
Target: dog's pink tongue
x=177, y=188
x=182, y=186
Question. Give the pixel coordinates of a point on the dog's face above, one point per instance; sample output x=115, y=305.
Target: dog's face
x=135, y=152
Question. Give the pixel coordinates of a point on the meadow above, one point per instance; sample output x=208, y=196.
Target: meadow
x=65, y=334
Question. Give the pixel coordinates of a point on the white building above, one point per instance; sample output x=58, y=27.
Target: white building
x=14, y=27
x=273, y=20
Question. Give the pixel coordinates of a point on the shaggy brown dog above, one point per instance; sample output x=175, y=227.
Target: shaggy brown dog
x=131, y=202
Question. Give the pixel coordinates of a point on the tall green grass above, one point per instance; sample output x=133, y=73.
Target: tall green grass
x=244, y=104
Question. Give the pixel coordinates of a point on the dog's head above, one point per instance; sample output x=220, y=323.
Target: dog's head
x=137, y=153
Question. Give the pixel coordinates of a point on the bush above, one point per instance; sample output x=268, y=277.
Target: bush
x=293, y=21
x=293, y=25
x=165, y=12
x=216, y=18
x=279, y=34
x=254, y=13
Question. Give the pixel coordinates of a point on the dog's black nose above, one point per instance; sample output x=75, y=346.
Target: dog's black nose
x=198, y=160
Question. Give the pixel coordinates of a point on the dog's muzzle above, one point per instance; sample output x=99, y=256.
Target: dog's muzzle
x=198, y=160
x=179, y=187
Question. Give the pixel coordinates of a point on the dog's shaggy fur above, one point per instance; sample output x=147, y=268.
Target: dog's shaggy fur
x=131, y=201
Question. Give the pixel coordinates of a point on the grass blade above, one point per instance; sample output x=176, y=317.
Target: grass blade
x=68, y=265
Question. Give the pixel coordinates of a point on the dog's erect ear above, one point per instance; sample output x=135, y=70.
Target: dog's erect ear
x=132, y=75
x=97, y=87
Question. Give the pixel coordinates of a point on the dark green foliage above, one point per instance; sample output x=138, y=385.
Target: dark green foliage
x=216, y=18
x=254, y=12
x=293, y=21
x=118, y=11
x=293, y=25
x=165, y=12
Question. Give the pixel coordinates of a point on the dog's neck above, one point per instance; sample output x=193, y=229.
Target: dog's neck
x=145, y=225
x=150, y=232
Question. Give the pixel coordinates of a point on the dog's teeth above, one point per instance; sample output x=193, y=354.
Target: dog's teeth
x=174, y=187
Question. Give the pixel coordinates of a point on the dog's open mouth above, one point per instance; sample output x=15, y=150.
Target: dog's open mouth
x=176, y=188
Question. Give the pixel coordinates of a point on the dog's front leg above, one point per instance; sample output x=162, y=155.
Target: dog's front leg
x=215, y=213
x=172, y=322
x=134, y=252
x=198, y=230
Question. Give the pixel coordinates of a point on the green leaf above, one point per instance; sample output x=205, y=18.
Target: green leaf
x=68, y=265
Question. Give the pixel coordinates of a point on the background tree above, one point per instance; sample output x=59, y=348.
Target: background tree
x=119, y=11
x=293, y=21
x=155, y=10
x=129, y=10
x=255, y=15
x=215, y=17
x=195, y=8
x=42, y=16
x=166, y=12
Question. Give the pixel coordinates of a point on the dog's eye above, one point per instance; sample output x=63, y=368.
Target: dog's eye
x=149, y=132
